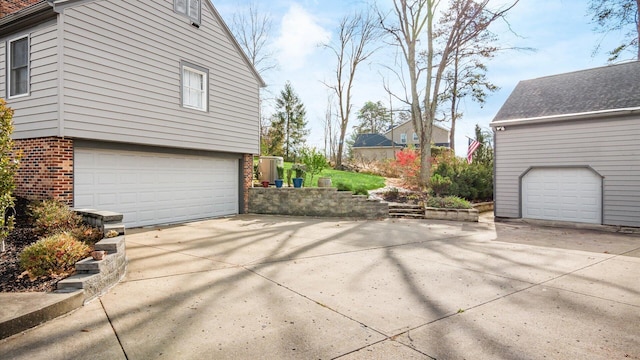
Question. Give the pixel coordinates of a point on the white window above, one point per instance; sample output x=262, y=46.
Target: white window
x=18, y=67
x=195, y=87
x=403, y=138
x=415, y=137
x=188, y=8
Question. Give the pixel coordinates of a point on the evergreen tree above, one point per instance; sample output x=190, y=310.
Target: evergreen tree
x=290, y=122
x=374, y=118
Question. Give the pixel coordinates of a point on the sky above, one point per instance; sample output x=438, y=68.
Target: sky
x=559, y=31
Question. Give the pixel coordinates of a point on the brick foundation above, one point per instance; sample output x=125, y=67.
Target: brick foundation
x=46, y=169
x=247, y=181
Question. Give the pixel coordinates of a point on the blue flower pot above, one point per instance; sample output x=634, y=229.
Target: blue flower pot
x=279, y=183
x=297, y=182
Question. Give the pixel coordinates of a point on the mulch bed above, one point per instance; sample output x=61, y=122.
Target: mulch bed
x=12, y=278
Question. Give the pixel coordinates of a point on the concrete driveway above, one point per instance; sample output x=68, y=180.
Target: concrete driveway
x=262, y=287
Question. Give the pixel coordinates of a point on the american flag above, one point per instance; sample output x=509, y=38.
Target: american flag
x=473, y=146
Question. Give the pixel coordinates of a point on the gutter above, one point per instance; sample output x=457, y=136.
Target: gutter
x=599, y=114
x=26, y=17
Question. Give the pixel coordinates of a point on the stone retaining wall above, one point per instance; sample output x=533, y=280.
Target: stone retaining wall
x=470, y=215
x=322, y=202
x=483, y=206
x=95, y=277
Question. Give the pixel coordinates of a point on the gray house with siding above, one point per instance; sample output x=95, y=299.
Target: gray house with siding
x=149, y=108
x=567, y=148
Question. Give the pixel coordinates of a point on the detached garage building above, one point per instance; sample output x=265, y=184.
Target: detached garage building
x=567, y=148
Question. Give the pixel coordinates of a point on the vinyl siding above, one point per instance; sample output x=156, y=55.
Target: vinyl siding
x=438, y=134
x=122, y=78
x=610, y=147
x=36, y=115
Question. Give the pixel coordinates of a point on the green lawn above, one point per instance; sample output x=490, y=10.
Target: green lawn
x=369, y=182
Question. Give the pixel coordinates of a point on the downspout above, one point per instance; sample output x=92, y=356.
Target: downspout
x=60, y=46
x=495, y=153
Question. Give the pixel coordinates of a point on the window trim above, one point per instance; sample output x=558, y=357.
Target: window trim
x=403, y=138
x=9, y=66
x=184, y=65
x=187, y=6
x=415, y=137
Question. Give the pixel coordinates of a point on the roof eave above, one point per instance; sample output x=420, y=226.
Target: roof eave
x=26, y=17
x=600, y=114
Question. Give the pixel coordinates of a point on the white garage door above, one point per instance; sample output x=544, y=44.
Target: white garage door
x=565, y=194
x=155, y=188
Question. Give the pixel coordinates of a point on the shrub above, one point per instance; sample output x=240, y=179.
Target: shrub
x=343, y=186
x=356, y=190
x=439, y=185
x=392, y=194
x=360, y=190
x=408, y=166
x=51, y=216
x=87, y=234
x=473, y=182
x=448, y=202
x=314, y=163
x=53, y=256
x=8, y=168
x=387, y=168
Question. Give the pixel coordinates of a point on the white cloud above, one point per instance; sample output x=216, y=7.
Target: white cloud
x=300, y=35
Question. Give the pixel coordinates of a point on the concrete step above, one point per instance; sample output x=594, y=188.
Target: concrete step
x=407, y=210
x=407, y=216
x=119, y=227
x=75, y=281
x=405, y=206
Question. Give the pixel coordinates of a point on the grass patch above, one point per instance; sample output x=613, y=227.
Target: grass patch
x=351, y=179
x=354, y=180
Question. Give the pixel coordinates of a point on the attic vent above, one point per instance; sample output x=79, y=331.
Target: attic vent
x=188, y=8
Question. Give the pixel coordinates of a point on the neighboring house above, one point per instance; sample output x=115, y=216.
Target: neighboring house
x=566, y=148
x=148, y=108
x=372, y=147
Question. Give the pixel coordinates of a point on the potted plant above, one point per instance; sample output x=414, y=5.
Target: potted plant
x=280, y=180
x=299, y=179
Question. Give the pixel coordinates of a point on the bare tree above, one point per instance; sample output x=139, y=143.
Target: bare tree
x=252, y=29
x=411, y=23
x=466, y=73
x=357, y=34
x=616, y=15
x=330, y=130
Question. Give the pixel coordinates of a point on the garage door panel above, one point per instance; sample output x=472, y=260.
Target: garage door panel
x=153, y=188
x=572, y=194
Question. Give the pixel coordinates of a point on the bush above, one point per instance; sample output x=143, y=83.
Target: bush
x=387, y=168
x=343, y=186
x=53, y=256
x=473, y=182
x=439, y=185
x=87, y=234
x=360, y=190
x=314, y=163
x=51, y=217
x=392, y=194
x=448, y=202
x=9, y=160
x=408, y=166
x=356, y=190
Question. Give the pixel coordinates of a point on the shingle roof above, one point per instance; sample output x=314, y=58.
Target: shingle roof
x=371, y=140
x=604, y=88
x=8, y=7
